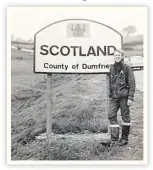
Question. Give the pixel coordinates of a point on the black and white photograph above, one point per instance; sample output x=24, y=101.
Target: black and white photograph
x=77, y=84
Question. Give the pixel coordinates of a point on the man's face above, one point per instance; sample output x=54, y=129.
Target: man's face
x=117, y=56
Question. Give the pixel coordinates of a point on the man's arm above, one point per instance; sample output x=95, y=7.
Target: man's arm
x=131, y=83
x=109, y=78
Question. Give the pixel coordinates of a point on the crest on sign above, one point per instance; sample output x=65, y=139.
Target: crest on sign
x=78, y=30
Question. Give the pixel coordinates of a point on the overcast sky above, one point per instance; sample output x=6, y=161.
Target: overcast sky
x=24, y=22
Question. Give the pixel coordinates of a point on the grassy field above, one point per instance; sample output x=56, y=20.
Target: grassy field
x=29, y=46
x=79, y=107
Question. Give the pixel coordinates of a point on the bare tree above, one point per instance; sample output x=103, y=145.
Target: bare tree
x=129, y=30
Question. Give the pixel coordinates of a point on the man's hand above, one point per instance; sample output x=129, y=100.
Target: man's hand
x=129, y=102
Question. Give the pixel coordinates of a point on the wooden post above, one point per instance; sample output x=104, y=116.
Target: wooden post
x=108, y=99
x=49, y=105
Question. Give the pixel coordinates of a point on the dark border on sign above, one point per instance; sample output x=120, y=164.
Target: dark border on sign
x=64, y=21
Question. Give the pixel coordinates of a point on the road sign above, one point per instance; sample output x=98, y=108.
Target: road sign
x=75, y=46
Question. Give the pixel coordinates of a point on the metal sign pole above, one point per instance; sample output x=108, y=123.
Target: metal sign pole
x=49, y=105
x=108, y=99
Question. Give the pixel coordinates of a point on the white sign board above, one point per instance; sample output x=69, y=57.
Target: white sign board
x=75, y=46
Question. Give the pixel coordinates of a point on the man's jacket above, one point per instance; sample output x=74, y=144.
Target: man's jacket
x=122, y=83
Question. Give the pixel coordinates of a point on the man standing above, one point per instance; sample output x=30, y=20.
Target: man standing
x=122, y=89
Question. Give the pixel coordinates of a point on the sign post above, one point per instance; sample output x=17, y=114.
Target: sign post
x=108, y=99
x=74, y=46
x=49, y=105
